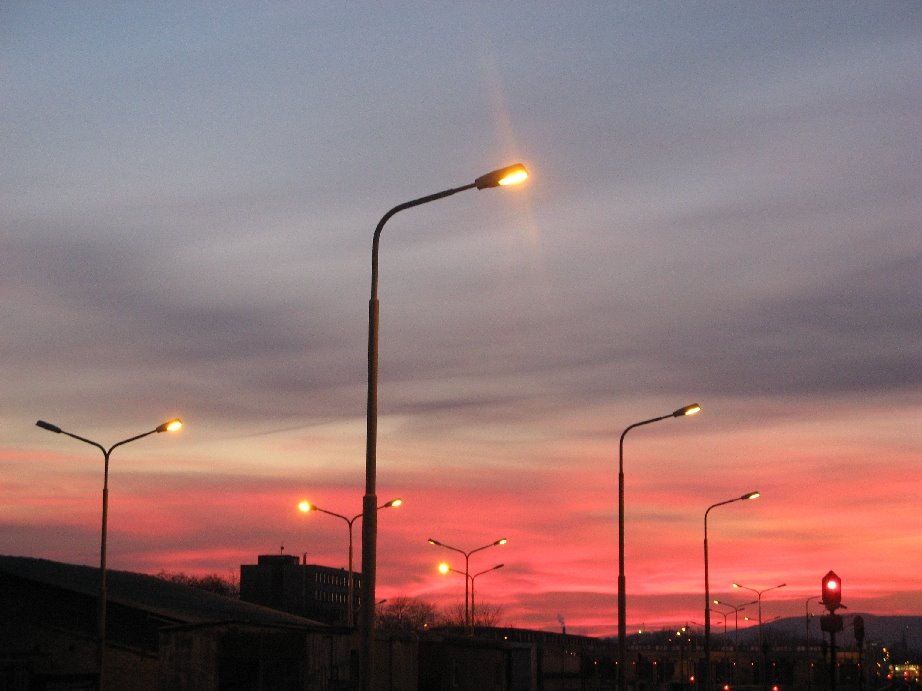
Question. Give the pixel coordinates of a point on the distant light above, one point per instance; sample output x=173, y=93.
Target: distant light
x=444, y=568
x=305, y=506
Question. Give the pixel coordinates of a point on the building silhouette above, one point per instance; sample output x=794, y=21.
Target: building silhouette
x=313, y=591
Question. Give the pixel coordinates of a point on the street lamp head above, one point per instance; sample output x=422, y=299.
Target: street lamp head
x=48, y=426
x=687, y=410
x=433, y=541
x=306, y=506
x=173, y=425
x=751, y=495
x=510, y=175
x=444, y=568
x=501, y=541
x=393, y=503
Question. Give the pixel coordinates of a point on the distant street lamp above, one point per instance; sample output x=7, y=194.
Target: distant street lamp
x=306, y=506
x=444, y=568
x=467, y=570
x=170, y=426
x=511, y=175
x=622, y=597
x=759, y=594
x=707, y=588
x=807, y=635
x=736, y=621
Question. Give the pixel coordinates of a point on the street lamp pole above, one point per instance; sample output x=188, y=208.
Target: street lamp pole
x=306, y=506
x=169, y=426
x=498, y=178
x=622, y=599
x=736, y=618
x=445, y=568
x=807, y=637
x=467, y=572
x=759, y=601
x=707, y=588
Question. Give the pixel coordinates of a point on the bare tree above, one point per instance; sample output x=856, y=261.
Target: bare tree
x=213, y=583
x=486, y=614
x=407, y=614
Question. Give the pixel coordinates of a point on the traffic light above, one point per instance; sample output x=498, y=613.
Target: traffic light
x=832, y=591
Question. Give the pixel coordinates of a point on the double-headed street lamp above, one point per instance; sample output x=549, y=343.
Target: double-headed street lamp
x=170, y=426
x=306, y=506
x=511, y=175
x=622, y=598
x=707, y=589
x=467, y=570
x=759, y=594
x=444, y=568
x=736, y=617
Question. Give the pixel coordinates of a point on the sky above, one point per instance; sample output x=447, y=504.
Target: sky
x=723, y=207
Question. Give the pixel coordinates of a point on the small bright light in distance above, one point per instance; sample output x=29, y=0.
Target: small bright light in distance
x=444, y=568
x=304, y=506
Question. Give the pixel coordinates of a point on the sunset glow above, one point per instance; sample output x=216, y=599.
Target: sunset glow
x=723, y=208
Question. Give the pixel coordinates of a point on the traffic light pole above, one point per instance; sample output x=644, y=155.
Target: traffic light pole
x=831, y=589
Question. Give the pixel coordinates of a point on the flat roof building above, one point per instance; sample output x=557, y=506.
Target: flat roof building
x=309, y=590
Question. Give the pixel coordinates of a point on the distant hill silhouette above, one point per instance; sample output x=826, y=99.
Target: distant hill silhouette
x=891, y=631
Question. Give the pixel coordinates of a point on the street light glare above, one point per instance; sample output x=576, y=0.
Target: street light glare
x=692, y=409
x=173, y=425
x=305, y=506
x=501, y=541
x=514, y=177
x=752, y=495
x=393, y=503
x=444, y=568
x=510, y=175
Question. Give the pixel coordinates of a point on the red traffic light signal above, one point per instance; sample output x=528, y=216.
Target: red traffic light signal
x=832, y=591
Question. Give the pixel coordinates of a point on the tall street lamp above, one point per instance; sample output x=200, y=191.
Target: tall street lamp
x=502, y=177
x=444, y=568
x=467, y=570
x=622, y=600
x=306, y=506
x=707, y=588
x=170, y=426
x=759, y=594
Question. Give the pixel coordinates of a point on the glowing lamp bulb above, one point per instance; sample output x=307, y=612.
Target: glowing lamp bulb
x=515, y=177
